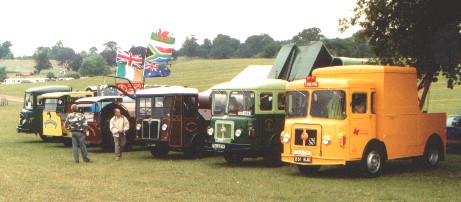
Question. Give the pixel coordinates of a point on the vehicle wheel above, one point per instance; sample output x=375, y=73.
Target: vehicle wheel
x=273, y=154
x=308, y=170
x=373, y=161
x=432, y=153
x=67, y=142
x=233, y=158
x=159, y=151
x=45, y=138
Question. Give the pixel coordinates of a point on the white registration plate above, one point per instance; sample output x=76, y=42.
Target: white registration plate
x=302, y=152
x=303, y=159
x=218, y=146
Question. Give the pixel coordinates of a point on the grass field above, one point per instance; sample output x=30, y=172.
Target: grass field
x=33, y=170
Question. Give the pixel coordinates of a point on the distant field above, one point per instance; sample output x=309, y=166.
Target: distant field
x=27, y=66
x=203, y=74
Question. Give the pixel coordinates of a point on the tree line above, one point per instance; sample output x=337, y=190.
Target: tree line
x=264, y=46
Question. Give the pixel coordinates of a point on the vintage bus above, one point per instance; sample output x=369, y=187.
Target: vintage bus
x=30, y=117
x=99, y=110
x=57, y=106
x=168, y=118
x=247, y=118
x=359, y=115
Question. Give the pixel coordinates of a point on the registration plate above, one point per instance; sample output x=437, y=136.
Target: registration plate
x=218, y=146
x=303, y=159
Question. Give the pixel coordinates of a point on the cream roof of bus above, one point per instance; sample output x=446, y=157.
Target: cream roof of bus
x=362, y=69
x=98, y=99
x=163, y=90
x=265, y=84
x=71, y=94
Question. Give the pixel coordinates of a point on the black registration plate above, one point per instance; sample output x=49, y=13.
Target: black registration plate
x=303, y=159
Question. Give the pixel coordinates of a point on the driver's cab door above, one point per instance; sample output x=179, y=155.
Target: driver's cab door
x=362, y=120
x=176, y=134
x=52, y=122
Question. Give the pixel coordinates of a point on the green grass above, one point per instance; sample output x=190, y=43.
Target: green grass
x=33, y=170
x=200, y=74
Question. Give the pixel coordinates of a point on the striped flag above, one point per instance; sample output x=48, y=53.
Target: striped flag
x=128, y=65
x=161, y=48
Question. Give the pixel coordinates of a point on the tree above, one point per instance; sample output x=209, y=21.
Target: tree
x=138, y=50
x=224, y=47
x=110, y=53
x=3, y=74
x=65, y=56
x=357, y=46
x=308, y=35
x=254, y=45
x=424, y=34
x=42, y=59
x=204, y=51
x=271, y=50
x=94, y=65
x=5, y=51
x=50, y=75
x=93, y=50
x=190, y=47
x=110, y=45
x=55, y=49
x=76, y=62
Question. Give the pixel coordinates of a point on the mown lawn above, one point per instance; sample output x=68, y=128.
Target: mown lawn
x=33, y=170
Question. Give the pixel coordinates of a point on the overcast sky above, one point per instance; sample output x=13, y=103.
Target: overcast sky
x=82, y=24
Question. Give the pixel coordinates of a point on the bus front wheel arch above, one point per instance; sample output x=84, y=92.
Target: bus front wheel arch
x=373, y=159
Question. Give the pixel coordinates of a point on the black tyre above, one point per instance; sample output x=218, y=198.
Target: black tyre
x=159, y=151
x=373, y=161
x=45, y=138
x=233, y=158
x=308, y=170
x=432, y=153
x=273, y=155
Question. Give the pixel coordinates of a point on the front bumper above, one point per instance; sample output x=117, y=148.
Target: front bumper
x=24, y=130
x=314, y=160
x=228, y=147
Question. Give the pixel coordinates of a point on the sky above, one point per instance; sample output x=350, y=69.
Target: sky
x=82, y=24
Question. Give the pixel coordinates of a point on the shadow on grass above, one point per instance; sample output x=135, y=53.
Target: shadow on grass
x=247, y=163
x=177, y=156
x=393, y=168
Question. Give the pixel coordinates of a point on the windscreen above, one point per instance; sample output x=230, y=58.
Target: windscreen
x=218, y=102
x=329, y=104
x=51, y=104
x=159, y=106
x=241, y=103
x=297, y=104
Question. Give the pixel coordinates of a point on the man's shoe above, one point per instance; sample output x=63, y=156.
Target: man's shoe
x=117, y=158
x=89, y=161
x=77, y=162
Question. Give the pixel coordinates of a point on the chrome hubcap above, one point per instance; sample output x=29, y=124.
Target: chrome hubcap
x=373, y=162
x=433, y=156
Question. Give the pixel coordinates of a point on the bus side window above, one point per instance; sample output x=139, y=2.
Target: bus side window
x=265, y=102
x=281, y=101
x=373, y=94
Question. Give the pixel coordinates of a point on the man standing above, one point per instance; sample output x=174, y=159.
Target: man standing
x=118, y=126
x=76, y=123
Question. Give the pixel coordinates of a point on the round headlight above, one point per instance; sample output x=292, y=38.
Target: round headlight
x=210, y=131
x=238, y=132
x=286, y=138
x=138, y=126
x=326, y=140
x=164, y=126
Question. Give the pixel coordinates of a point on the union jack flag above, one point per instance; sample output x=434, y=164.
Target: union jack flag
x=128, y=58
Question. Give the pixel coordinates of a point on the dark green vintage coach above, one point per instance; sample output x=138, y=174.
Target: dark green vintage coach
x=247, y=118
x=30, y=117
